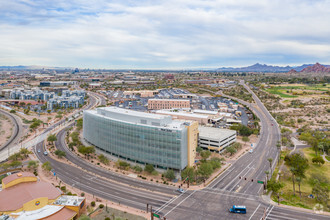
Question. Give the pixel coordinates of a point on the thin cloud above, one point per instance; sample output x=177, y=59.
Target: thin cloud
x=164, y=34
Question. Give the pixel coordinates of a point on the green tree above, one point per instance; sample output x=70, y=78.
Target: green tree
x=215, y=162
x=189, y=173
x=199, y=149
x=47, y=166
x=79, y=124
x=103, y=159
x=25, y=152
x=231, y=150
x=205, y=154
x=137, y=169
x=51, y=138
x=12, y=111
x=205, y=170
x=149, y=168
x=245, y=139
x=298, y=165
x=276, y=187
x=270, y=160
x=278, y=146
x=318, y=160
x=15, y=163
x=15, y=156
x=89, y=150
x=123, y=164
x=169, y=174
x=60, y=153
x=33, y=164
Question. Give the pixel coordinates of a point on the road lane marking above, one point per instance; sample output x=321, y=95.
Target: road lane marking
x=254, y=211
x=269, y=212
x=247, y=167
x=179, y=203
x=167, y=203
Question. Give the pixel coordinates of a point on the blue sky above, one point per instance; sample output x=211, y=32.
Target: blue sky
x=173, y=34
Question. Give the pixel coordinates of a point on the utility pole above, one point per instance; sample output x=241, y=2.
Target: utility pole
x=151, y=213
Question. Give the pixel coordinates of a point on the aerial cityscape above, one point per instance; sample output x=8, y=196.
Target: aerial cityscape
x=197, y=110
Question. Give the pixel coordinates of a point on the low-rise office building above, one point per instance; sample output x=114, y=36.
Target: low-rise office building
x=201, y=119
x=215, y=139
x=157, y=104
x=142, y=137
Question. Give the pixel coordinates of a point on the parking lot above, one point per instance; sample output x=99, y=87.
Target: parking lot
x=138, y=103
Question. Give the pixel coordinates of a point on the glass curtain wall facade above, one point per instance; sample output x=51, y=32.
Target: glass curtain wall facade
x=164, y=148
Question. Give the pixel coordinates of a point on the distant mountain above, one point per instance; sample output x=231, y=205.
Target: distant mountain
x=21, y=67
x=316, y=68
x=293, y=71
x=263, y=68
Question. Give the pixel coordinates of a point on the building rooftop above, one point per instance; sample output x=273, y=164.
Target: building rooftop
x=214, y=133
x=182, y=114
x=69, y=200
x=49, y=212
x=132, y=113
x=15, y=176
x=136, y=117
x=169, y=100
x=205, y=112
x=14, y=197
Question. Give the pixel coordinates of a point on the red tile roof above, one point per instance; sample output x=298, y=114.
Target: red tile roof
x=14, y=197
x=63, y=214
x=15, y=176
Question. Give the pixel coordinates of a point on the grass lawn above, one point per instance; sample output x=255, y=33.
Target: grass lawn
x=287, y=197
x=327, y=157
x=281, y=92
x=294, y=91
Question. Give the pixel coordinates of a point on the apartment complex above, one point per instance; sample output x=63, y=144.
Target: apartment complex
x=142, y=137
x=157, y=104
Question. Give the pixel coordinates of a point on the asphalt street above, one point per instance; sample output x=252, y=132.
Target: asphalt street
x=211, y=202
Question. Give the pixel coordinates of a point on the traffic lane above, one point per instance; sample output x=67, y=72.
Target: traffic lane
x=209, y=205
x=60, y=144
x=97, y=186
x=284, y=213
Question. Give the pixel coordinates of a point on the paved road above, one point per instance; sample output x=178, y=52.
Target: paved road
x=210, y=203
x=228, y=189
x=16, y=135
x=101, y=187
x=60, y=144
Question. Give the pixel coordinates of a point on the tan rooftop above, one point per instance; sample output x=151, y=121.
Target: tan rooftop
x=14, y=197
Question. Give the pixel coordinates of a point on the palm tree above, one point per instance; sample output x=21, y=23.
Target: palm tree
x=266, y=172
x=278, y=146
x=270, y=160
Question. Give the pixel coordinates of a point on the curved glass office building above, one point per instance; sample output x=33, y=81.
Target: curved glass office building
x=141, y=137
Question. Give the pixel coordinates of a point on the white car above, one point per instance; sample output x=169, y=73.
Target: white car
x=180, y=190
x=251, y=151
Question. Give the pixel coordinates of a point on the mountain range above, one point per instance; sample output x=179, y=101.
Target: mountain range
x=273, y=69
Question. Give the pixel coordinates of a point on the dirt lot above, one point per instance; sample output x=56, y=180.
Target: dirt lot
x=6, y=129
